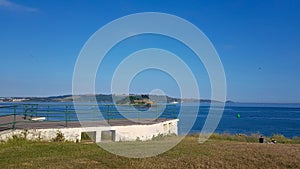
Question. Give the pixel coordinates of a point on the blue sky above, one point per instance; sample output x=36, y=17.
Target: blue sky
x=257, y=41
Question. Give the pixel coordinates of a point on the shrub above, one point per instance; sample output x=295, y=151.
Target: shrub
x=296, y=140
x=237, y=137
x=138, y=139
x=59, y=137
x=161, y=136
x=85, y=136
x=17, y=140
x=280, y=138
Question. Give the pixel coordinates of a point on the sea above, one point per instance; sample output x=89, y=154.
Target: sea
x=234, y=118
x=254, y=118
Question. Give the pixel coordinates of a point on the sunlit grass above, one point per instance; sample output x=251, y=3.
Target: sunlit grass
x=221, y=151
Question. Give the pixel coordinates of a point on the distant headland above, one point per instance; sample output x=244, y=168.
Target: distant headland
x=105, y=98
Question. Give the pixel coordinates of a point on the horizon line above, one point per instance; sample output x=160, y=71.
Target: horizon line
x=228, y=100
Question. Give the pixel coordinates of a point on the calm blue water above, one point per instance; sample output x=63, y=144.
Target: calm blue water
x=265, y=119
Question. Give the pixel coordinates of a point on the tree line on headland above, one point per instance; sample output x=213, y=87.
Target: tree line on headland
x=108, y=98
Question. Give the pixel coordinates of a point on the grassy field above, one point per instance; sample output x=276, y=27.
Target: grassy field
x=221, y=151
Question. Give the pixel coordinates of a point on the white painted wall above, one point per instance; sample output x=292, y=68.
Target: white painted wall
x=145, y=132
x=122, y=133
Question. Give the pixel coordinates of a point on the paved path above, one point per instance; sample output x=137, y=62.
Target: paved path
x=28, y=124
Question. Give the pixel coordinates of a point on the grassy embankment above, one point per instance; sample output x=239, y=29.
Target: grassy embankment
x=220, y=151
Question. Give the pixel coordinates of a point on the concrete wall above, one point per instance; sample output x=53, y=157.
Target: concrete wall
x=120, y=133
x=145, y=132
x=70, y=134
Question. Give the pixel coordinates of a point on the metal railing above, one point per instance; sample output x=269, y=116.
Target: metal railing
x=11, y=115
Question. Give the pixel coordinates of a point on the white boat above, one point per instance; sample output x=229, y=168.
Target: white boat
x=174, y=102
x=38, y=118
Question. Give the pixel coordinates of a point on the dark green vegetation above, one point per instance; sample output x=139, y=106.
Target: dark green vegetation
x=221, y=151
x=131, y=99
x=254, y=138
x=108, y=98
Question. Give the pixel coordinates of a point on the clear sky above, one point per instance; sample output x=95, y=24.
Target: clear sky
x=258, y=43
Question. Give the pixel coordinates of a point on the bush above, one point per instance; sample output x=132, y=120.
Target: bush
x=237, y=137
x=253, y=138
x=296, y=140
x=59, y=137
x=158, y=137
x=85, y=136
x=280, y=138
x=17, y=140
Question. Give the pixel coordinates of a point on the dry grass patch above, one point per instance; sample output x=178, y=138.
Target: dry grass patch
x=187, y=154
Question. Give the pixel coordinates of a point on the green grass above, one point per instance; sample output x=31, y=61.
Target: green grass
x=253, y=138
x=221, y=151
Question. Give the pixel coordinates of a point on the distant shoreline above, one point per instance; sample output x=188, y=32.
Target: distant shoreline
x=99, y=98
